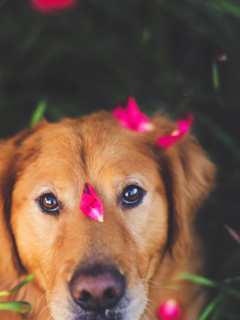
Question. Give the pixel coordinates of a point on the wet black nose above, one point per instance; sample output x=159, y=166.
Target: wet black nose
x=97, y=288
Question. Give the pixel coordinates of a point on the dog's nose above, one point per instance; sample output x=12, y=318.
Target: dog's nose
x=98, y=288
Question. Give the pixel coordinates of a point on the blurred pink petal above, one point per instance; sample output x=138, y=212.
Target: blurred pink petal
x=50, y=6
x=90, y=205
x=184, y=124
x=121, y=116
x=170, y=310
x=131, y=118
x=233, y=233
x=223, y=57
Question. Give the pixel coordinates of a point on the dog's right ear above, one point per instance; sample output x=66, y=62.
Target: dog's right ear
x=189, y=177
x=11, y=162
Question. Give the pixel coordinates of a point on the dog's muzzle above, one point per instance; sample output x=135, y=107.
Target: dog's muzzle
x=97, y=288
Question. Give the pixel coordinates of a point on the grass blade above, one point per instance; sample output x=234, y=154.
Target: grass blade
x=228, y=280
x=200, y=280
x=211, y=307
x=28, y=279
x=20, y=306
x=215, y=77
x=210, y=283
x=39, y=112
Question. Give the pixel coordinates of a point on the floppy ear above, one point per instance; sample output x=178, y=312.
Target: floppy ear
x=11, y=161
x=8, y=260
x=189, y=178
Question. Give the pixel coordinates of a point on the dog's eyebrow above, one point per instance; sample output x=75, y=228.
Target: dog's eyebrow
x=82, y=151
x=48, y=185
x=83, y=155
x=131, y=179
x=25, y=134
x=31, y=155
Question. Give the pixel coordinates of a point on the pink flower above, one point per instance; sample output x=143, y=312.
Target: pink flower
x=183, y=124
x=132, y=118
x=90, y=205
x=169, y=310
x=49, y=6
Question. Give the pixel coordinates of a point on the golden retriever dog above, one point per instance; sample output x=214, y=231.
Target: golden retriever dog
x=125, y=267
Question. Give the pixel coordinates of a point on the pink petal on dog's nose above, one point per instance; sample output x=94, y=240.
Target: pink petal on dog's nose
x=90, y=205
x=169, y=310
x=132, y=118
x=184, y=125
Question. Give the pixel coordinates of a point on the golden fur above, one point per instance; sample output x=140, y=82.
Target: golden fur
x=151, y=244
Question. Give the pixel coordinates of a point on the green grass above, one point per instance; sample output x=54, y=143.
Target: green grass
x=18, y=306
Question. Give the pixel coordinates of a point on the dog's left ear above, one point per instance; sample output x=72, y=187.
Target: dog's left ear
x=11, y=163
x=189, y=177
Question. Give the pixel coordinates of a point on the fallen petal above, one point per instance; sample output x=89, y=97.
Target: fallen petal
x=184, y=124
x=90, y=204
x=132, y=118
x=139, y=121
x=93, y=213
x=86, y=199
x=51, y=6
x=169, y=310
x=121, y=116
x=166, y=142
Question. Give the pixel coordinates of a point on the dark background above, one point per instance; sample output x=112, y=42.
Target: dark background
x=171, y=55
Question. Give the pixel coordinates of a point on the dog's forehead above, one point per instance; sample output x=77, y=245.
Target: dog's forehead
x=90, y=145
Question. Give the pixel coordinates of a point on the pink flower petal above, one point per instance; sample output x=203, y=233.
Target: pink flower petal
x=90, y=205
x=138, y=120
x=169, y=310
x=183, y=124
x=132, y=118
x=121, y=116
x=49, y=6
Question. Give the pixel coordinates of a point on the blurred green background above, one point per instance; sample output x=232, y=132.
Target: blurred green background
x=171, y=55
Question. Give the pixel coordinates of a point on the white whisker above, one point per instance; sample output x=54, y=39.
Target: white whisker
x=47, y=306
x=46, y=293
x=149, y=300
x=151, y=313
x=145, y=316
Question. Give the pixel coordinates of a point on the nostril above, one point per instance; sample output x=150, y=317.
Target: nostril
x=109, y=293
x=85, y=296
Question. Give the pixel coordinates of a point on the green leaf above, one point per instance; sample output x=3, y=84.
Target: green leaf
x=28, y=279
x=228, y=280
x=211, y=307
x=39, y=112
x=20, y=306
x=228, y=7
x=210, y=283
x=200, y=280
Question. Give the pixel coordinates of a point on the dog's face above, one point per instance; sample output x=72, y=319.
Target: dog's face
x=93, y=270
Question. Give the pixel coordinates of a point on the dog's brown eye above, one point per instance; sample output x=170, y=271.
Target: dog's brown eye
x=49, y=203
x=132, y=194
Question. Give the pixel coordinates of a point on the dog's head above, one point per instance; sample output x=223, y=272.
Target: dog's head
x=94, y=270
